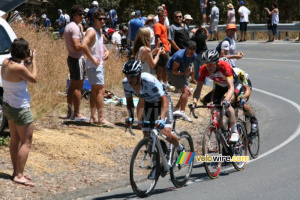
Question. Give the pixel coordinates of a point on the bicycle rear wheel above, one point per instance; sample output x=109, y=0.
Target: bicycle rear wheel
x=253, y=140
x=211, y=147
x=140, y=168
x=241, y=147
x=180, y=173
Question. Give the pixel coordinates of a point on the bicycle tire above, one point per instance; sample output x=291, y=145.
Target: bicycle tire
x=241, y=148
x=180, y=173
x=211, y=146
x=140, y=184
x=253, y=140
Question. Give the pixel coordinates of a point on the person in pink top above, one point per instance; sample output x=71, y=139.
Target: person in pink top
x=230, y=14
x=76, y=63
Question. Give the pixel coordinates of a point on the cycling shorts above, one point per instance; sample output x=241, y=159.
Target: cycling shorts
x=219, y=93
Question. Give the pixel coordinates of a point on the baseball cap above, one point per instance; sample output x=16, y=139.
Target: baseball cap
x=59, y=10
x=95, y=3
x=44, y=16
x=133, y=13
x=191, y=43
x=187, y=16
x=110, y=30
x=86, y=10
x=160, y=8
x=212, y=2
x=138, y=13
x=242, y=3
x=231, y=26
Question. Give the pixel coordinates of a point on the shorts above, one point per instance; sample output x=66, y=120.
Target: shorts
x=214, y=25
x=178, y=81
x=274, y=29
x=95, y=75
x=76, y=68
x=20, y=116
x=243, y=26
x=163, y=60
x=61, y=30
x=219, y=93
x=153, y=110
x=202, y=9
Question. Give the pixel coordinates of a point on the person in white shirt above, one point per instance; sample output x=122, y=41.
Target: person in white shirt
x=244, y=12
x=67, y=17
x=156, y=19
x=275, y=19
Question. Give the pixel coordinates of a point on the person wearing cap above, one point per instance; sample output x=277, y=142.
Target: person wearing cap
x=214, y=20
x=188, y=20
x=203, y=6
x=178, y=34
x=47, y=22
x=134, y=25
x=228, y=46
x=244, y=12
x=165, y=9
x=156, y=18
x=230, y=14
x=91, y=11
x=116, y=38
x=178, y=70
x=61, y=23
x=113, y=18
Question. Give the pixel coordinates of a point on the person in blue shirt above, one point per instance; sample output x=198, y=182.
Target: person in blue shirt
x=179, y=68
x=47, y=22
x=134, y=25
x=113, y=18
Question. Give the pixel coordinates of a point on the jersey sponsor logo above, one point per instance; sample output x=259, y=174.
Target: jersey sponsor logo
x=155, y=90
x=146, y=95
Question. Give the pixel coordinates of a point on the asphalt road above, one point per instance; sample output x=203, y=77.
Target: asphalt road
x=274, y=70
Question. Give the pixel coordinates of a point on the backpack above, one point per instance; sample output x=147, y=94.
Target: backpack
x=218, y=48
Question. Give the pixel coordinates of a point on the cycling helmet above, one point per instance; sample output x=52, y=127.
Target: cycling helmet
x=132, y=67
x=210, y=56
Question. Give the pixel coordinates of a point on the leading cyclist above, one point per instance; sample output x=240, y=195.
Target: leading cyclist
x=157, y=102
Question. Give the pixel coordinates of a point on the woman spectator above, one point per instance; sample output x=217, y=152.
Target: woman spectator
x=16, y=105
x=142, y=50
x=149, y=24
x=230, y=14
x=275, y=19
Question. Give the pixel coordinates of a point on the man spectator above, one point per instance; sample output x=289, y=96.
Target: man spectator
x=214, y=20
x=244, y=12
x=156, y=18
x=47, y=22
x=178, y=33
x=228, y=47
x=91, y=11
x=203, y=6
x=113, y=18
x=76, y=63
x=178, y=70
x=61, y=23
x=165, y=9
x=134, y=25
x=67, y=17
x=117, y=37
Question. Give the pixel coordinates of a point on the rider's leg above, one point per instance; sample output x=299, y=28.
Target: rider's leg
x=172, y=138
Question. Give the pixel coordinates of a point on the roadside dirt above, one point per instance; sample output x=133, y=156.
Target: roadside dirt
x=67, y=156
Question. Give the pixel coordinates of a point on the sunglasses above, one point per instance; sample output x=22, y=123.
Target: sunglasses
x=131, y=76
x=102, y=18
x=210, y=64
x=178, y=16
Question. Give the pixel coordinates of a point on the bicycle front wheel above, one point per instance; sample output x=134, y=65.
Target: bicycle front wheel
x=180, y=173
x=140, y=168
x=241, y=147
x=253, y=140
x=211, y=147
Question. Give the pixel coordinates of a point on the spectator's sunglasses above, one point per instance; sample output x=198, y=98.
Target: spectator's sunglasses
x=102, y=18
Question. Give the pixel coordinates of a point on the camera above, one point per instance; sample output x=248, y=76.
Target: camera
x=161, y=44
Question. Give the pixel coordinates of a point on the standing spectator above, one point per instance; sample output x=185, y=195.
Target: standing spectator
x=67, y=17
x=244, y=12
x=150, y=24
x=161, y=39
x=33, y=19
x=178, y=70
x=47, y=22
x=188, y=20
x=156, y=18
x=165, y=9
x=96, y=53
x=230, y=14
x=134, y=25
x=203, y=6
x=214, y=20
x=142, y=50
x=178, y=34
x=73, y=37
x=200, y=38
x=275, y=19
x=61, y=23
x=91, y=11
x=117, y=37
x=16, y=105
x=113, y=18
x=269, y=27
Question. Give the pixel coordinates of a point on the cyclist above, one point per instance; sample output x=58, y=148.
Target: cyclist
x=221, y=73
x=157, y=102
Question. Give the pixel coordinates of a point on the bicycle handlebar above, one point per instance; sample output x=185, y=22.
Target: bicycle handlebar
x=192, y=109
x=137, y=122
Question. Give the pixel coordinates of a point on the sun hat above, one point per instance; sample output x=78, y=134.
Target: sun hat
x=230, y=6
x=231, y=26
x=187, y=16
x=149, y=18
x=95, y=3
x=160, y=8
x=44, y=16
x=59, y=10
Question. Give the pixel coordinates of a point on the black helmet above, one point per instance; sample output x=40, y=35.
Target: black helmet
x=210, y=56
x=132, y=67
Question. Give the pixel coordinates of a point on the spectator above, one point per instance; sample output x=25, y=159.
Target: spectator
x=117, y=37
x=150, y=24
x=67, y=17
x=161, y=40
x=73, y=37
x=91, y=11
x=214, y=20
x=61, y=23
x=113, y=18
x=269, y=27
x=142, y=50
x=178, y=34
x=156, y=18
x=188, y=20
x=165, y=9
x=110, y=32
x=16, y=105
x=275, y=19
x=244, y=12
x=96, y=53
x=230, y=14
x=134, y=25
x=47, y=22
x=203, y=6
x=33, y=19
x=178, y=70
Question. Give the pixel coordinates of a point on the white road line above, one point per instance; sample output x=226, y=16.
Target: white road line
x=279, y=60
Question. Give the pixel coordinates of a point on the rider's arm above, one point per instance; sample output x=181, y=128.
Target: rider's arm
x=230, y=91
x=197, y=92
x=247, y=91
x=164, y=106
x=130, y=107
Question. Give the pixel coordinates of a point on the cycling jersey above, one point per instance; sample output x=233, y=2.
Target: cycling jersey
x=220, y=76
x=151, y=88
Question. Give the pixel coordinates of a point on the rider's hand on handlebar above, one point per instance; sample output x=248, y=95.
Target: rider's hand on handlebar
x=226, y=103
x=128, y=121
x=160, y=123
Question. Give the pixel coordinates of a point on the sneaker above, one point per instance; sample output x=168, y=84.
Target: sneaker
x=170, y=87
x=152, y=174
x=254, y=127
x=185, y=117
x=178, y=113
x=234, y=137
